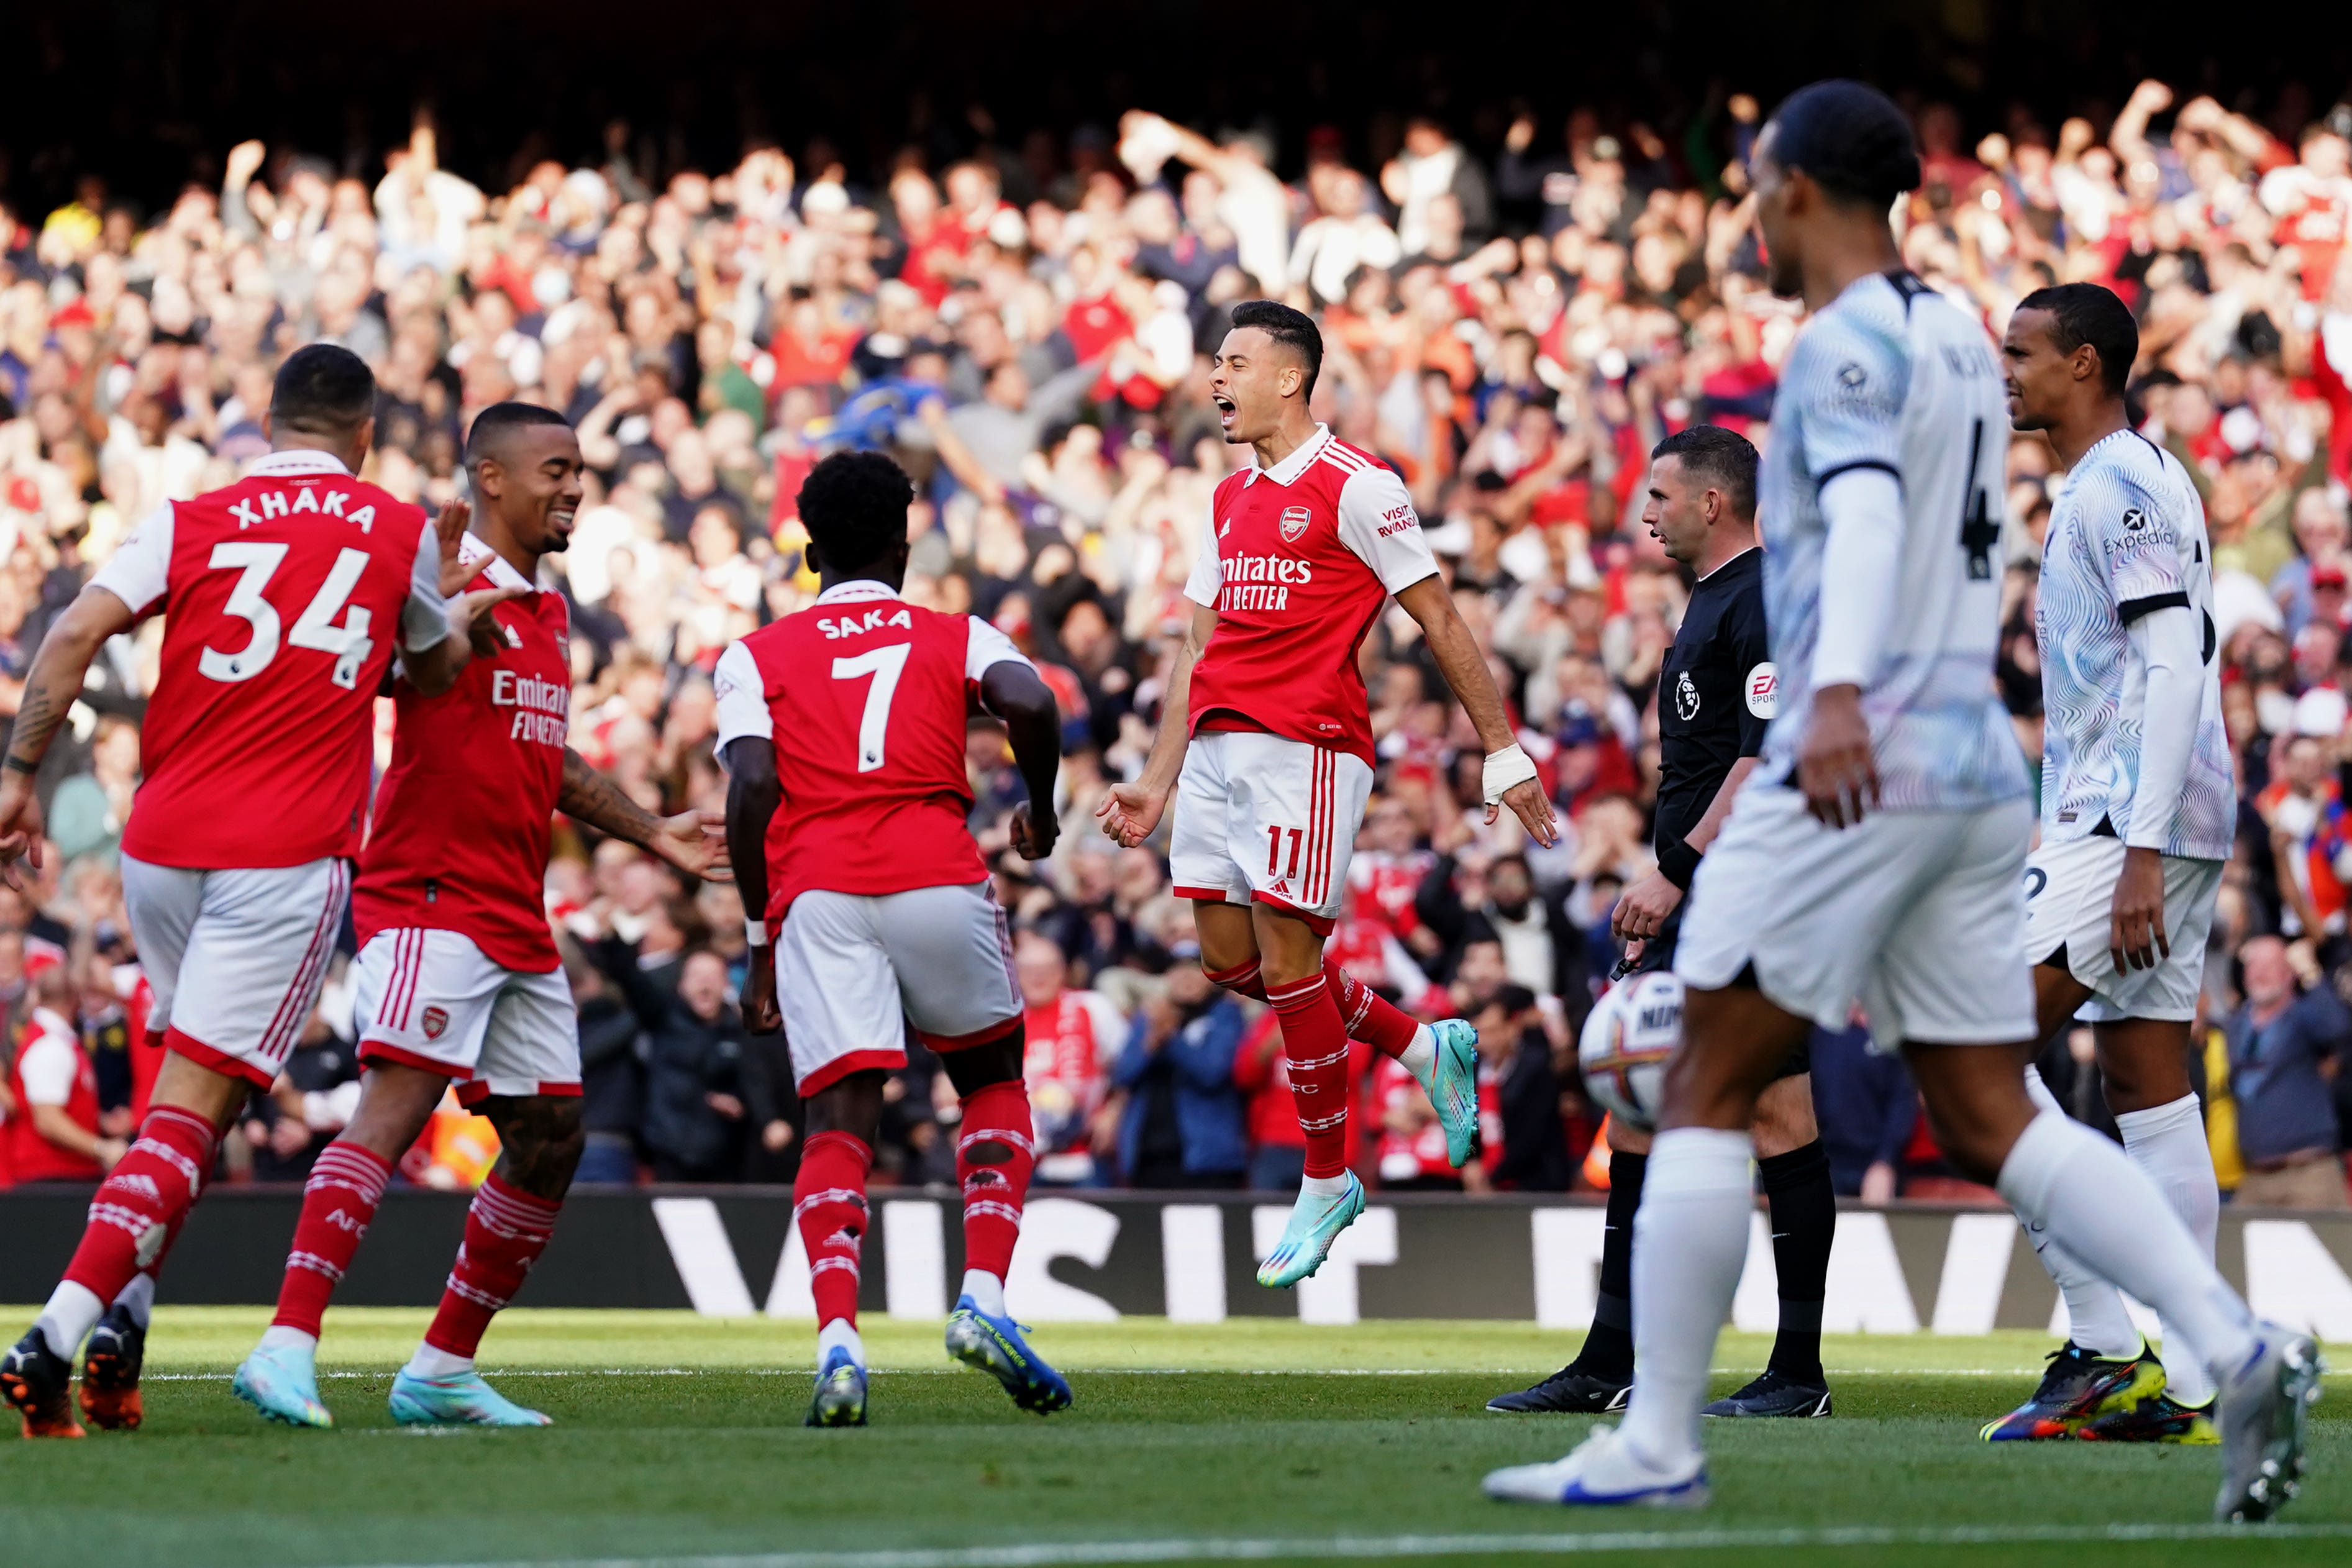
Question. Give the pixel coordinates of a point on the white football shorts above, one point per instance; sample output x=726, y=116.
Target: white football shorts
x=431, y=999
x=236, y=958
x=2069, y=889
x=854, y=970
x=1918, y=915
x=1267, y=819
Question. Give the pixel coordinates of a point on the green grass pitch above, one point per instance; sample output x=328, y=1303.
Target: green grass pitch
x=678, y=1442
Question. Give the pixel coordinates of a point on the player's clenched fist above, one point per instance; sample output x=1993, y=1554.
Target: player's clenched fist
x=1130, y=813
x=760, y=1012
x=20, y=828
x=1034, y=836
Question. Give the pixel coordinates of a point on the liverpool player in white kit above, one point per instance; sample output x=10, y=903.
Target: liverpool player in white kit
x=842, y=727
x=285, y=595
x=2139, y=808
x=1878, y=854
x=458, y=978
x=1266, y=744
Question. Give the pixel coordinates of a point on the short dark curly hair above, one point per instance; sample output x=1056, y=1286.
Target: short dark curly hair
x=1851, y=139
x=854, y=505
x=2086, y=313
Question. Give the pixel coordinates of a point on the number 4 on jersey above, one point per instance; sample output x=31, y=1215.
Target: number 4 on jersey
x=885, y=665
x=1979, y=531
x=255, y=563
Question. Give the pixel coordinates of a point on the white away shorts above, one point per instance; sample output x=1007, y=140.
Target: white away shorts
x=430, y=999
x=2070, y=890
x=1267, y=819
x=854, y=970
x=1917, y=915
x=236, y=958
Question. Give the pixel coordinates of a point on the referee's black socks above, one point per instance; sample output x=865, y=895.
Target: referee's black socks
x=1804, y=1219
x=1608, y=1350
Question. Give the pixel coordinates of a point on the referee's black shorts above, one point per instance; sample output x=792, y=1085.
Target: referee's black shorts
x=1658, y=953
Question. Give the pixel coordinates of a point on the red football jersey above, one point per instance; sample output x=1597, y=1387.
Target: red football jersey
x=283, y=596
x=1299, y=559
x=865, y=697
x=464, y=813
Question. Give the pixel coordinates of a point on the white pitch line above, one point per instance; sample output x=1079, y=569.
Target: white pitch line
x=1057, y=1554
x=1105, y=1371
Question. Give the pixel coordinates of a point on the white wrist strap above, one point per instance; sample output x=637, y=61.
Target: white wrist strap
x=756, y=933
x=1506, y=769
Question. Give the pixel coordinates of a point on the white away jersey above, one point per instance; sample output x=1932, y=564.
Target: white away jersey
x=1890, y=376
x=2126, y=536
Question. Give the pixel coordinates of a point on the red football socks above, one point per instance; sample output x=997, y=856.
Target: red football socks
x=1368, y=1016
x=1316, y=1044
x=337, y=1206
x=139, y=1208
x=829, y=1205
x=994, y=1155
x=506, y=1231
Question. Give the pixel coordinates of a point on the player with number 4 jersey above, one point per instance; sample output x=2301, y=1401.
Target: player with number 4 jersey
x=843, y=730
x=1878, y=852
x=286, y=596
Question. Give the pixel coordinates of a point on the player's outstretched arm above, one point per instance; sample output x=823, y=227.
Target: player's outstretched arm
x=1033, y=722
x=1130, y=811
x=693, y=841
x=754, y=795
x=51, y=687
x=1510, y=774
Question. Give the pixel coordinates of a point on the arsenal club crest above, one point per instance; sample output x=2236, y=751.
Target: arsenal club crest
x=1295, y=519
x=436, y=1019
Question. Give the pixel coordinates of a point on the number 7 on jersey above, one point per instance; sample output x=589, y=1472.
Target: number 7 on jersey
x=885, y=665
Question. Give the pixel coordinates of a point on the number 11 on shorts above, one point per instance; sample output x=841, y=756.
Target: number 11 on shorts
x=1273, y=866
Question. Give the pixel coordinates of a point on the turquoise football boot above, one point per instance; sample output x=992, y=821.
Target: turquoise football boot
x=461, y=1399
x=1453, y=1086
x=1315, y=1224
x=282, y=1383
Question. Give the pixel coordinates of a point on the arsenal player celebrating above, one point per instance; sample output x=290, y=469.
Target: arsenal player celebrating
x=1265, y=739
x=286, y=593
x=842, y=731
x=458, y=977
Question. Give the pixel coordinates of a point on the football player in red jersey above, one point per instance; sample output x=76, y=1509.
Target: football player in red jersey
x=285, y=594
x=842, y=728
x=458, y=978
x=1265, y=743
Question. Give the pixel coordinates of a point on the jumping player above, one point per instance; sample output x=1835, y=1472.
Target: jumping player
x=2139, y=813
x=285, y=595
x=1879, y=850
x=457, y=976
x=1717, y=693
x=842, y=728
x=1265, y=743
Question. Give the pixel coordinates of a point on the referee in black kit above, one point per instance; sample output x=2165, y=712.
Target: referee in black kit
x=1716, y=693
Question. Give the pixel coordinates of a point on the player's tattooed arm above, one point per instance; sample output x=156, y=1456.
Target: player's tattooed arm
x=51, y=687
x=754, y=795
x=691, y=840
x=1033, y=722
x=1131, y=811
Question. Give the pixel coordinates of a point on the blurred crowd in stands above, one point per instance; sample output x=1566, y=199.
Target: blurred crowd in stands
x=1511, y=326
